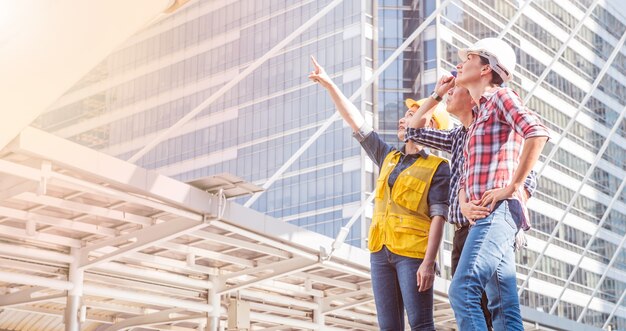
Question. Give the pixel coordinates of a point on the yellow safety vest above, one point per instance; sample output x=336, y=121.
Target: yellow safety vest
x=401, y=216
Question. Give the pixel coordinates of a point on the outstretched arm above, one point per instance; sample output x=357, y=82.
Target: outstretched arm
x=346, y=109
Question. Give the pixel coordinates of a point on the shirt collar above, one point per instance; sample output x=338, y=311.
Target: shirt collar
x=423, y=152
x=487, y=95
x=475, y=110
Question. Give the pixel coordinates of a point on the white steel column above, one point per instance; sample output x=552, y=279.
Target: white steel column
x=213, y=299
x=607, y=212
x=573, y=200
x=318, y=314
x=74, y=298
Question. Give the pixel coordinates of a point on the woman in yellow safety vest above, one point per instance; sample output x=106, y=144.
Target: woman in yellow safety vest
x=410, y=209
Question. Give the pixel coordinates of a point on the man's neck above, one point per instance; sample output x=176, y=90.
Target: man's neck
x=467, y=118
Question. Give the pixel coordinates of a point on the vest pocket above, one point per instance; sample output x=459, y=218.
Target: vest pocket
x=375, y=237
x=411, y=230
x=380, y=188
x=408, y=192
x=410, y=237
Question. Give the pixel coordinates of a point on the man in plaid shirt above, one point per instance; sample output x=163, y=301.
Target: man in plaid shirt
x=493, y=175
x=459, y=103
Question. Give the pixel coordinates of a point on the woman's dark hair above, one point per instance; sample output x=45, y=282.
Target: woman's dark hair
x=495, y=78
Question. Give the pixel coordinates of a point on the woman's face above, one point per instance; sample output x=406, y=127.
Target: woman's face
x=469, y=71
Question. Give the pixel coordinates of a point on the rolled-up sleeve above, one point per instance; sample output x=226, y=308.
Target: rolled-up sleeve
x=525, y=122
x=530, y=183
x=364, y=131
x=438, y=193
x=373, y=145
x=429, y=137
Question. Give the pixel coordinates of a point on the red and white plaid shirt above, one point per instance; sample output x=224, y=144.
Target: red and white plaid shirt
x=495, y=141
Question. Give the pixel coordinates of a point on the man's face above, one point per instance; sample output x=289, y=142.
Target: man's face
x=459, y=101
x=402, y=123
x=469, y=71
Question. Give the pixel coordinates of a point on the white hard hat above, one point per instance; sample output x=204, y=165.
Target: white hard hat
x=500, y=54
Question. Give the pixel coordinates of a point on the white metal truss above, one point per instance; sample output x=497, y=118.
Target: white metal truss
x=560, y=52
x=28, y=295
x=150, y=251
x=165, y=316
x=582, y=104
x=514, y=19
x=617, y=124
x=615, y=256
x=590, y=242
x=617, y=305
x=157, y=285
x=588, y=174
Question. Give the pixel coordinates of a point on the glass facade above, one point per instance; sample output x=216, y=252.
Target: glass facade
x=165, y=71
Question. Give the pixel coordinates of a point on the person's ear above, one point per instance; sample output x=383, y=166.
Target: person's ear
x=484, y=70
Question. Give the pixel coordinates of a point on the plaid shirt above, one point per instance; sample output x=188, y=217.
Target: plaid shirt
x=453, y=142
x=494, y=144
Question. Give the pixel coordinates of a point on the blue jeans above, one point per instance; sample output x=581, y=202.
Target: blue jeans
x=394, y=282
x=488, y=263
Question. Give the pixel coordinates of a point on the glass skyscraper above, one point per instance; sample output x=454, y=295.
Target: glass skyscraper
x=165, y=71
x=168, y=69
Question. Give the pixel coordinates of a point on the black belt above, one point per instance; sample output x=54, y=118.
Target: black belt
x=459, y=226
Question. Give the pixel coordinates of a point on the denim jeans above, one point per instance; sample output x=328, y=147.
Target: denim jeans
x=488, y=263
x=460, y=235
x=394, y=283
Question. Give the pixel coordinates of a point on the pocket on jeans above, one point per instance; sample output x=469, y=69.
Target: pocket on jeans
x=508, y=215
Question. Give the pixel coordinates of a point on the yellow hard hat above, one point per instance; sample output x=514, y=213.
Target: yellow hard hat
x=440, y=115
x=410, y=102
